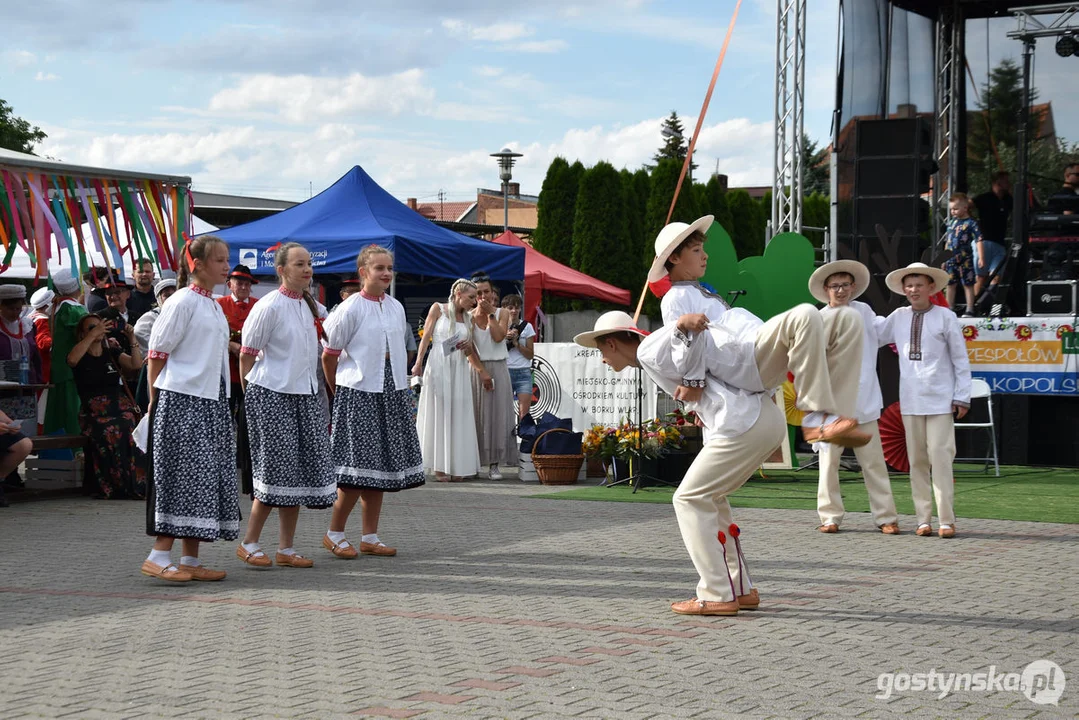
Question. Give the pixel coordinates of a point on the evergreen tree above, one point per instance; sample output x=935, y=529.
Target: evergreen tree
x=816, y=213
x=816, y=175
x=664, y=181
x=554, y=212
x=17, y=134
x=716, y=204
x=675, y=144
x=1000, y=101
x=747, y=220
x=637, y=241
x=600, y=233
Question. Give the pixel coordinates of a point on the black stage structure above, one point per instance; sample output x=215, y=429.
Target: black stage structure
x=901, y=115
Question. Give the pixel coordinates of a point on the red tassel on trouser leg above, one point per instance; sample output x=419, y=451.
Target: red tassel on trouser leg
x=723, y=544
x=742, y=566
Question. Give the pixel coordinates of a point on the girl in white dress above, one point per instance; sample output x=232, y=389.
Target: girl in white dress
x=446, y=420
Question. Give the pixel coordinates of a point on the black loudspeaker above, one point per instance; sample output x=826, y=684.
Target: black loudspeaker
x=892, y=166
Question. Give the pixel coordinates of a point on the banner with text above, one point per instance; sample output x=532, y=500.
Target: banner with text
x=572, y=381
x=1024, y=356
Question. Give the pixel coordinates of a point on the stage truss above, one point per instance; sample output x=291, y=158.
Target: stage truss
x=788, y=159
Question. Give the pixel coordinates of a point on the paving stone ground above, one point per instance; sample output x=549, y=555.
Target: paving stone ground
x=504, y=606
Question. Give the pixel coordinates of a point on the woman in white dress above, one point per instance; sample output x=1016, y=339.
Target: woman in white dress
x=446, y=421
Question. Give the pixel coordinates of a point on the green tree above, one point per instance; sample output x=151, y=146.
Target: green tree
x=816, y=212
x=17, y=134
x=1045, y=166
x=636, y=241
x=664, y=181
x=999, y=103
x=716, y=203
x=555, y=210
x=675, y=144
x=600, y=232
x=747, y=219
x=816, y=175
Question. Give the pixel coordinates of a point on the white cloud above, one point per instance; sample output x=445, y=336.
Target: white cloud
x=303, y=98
x=20, y=58
x=46, y=77
x=488, y=71
x=537, y=46
x=496, y=32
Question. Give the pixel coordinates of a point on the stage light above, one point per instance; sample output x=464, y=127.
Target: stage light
x=1067, y=46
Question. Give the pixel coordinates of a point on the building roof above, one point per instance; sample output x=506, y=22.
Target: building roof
x=445, y=211
x=11, y=158
x=218, y=201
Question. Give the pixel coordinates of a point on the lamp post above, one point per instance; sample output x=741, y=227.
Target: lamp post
x=506, y=159
x=669, y=133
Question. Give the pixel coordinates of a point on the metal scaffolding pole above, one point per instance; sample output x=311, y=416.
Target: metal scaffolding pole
x=788, y=161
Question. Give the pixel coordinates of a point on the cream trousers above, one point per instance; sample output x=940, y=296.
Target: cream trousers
x=874, y=471
x=824, y=353
x=931, y=450
x=702, y=509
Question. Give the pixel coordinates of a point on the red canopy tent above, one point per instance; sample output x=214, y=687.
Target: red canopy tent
x=542, y=274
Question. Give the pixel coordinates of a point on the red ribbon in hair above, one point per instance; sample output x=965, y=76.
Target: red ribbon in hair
x=187, y=253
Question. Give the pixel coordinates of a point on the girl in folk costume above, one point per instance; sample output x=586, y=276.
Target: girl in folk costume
x=290, y=445
x=62, y=407
x=41, y=317
x=493, y=405
x=375, y=448
x=192, y=492
x=16, y=336
x=446, y=418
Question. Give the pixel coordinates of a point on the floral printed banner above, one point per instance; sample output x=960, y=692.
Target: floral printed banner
x=1024, y=356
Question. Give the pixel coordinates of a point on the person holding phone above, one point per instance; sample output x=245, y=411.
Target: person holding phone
x=446, y=419
x=108, y=412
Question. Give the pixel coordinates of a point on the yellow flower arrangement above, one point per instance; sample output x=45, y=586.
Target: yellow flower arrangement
x=621, y=441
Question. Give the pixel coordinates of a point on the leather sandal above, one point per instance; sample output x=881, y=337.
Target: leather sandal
x=256, y=559
x=203, y=573
x=890, y=528
x=694, y=606
x=167, y=572
x=843, y=432
x=749, y=601
x=344, y=549
x=294, y=560
x=378, y=548
x=924, y=531
x=829, y=528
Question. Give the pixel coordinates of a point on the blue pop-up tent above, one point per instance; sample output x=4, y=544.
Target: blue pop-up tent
x=355, y=212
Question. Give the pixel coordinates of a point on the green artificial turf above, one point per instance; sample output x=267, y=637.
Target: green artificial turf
x=1020, y=493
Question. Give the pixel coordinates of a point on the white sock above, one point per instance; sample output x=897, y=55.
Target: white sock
x=335, y=537
x=371, y=538
x=924, y=525
x=286, y=551
x=813, y=419
x=160, y=557
x=188, y=560
x=252, y=548
x=945, y=527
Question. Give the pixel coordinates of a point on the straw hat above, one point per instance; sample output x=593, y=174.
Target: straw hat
x=894, y=281
x=669, y=238
x=609, y=322
x=855, y=269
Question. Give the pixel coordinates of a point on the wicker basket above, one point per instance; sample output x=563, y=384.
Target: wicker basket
x=556, y=469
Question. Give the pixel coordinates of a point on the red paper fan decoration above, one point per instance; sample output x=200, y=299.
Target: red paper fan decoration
x=893, y=438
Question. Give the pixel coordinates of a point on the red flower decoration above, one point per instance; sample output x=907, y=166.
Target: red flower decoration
x=735, y=532
x=1064, y=329
x=970, y=332
x=722, y=538
x=1023, y=332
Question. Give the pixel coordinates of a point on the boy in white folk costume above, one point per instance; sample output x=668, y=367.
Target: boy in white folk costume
x=738, y=361
x=934, y=383
x=680, y=255
x=837, y=284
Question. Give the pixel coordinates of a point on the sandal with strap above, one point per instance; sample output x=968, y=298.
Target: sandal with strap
x=165, y=572
x=343, y=549
x=256, y=559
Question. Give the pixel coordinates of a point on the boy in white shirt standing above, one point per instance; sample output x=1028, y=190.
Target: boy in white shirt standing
x=837, y=284
x=934, y=382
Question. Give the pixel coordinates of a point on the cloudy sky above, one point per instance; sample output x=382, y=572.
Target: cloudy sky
x=275, y=97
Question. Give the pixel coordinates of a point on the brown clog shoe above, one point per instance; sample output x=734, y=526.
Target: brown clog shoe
x=890, y=528
x=168, y=572
x=256, y=559
x=203, y=573
x=749, y=601
x=924, y=531
x=947, y=532
x=843, y=432
x=379, y=549
x=341, y=550
x=705, y=607
x=829, y=528
x=295, y=560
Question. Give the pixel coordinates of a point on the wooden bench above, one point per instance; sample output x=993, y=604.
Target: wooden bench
x=48, y=474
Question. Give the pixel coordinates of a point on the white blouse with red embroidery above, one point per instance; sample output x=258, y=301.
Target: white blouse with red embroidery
x=282, y=333
x=193, y=335
x=361, y=330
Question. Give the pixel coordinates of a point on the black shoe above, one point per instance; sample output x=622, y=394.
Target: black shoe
x=14, y=480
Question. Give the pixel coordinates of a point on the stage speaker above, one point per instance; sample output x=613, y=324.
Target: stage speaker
x=893, y=137
x=909, y=215
x=892, y=165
